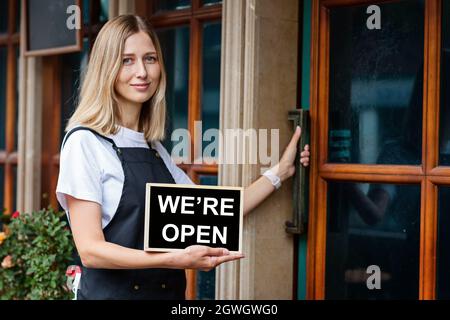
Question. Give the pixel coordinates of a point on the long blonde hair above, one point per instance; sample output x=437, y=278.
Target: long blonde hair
x=98, y=102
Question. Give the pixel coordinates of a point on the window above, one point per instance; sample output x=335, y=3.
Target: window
x=190, y=36
x=9, y=62
x=62, y=76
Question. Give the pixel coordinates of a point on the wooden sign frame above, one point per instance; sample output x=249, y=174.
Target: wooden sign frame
x=76, y=47
x=189, y=186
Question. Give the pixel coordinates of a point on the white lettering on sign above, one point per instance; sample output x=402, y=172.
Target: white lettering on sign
x=209, y=205
x=203, y=233
x=164, y=232
x=169, y=201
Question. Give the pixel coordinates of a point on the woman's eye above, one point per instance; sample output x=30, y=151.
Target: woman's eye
x=150, y=59
x=126, y=60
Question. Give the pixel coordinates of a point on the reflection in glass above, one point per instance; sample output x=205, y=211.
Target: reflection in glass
x=16, y=110
x=18, y=11
x=376, y=84
x=4, y=16
x=211, y=83
x=175, y=47
x=3, y=77
x=72, y=67
x=372, y=225
x=2, y=188
x=211, y=2
x=444, y=114
x=443, y=244
x=167, y=5
x=104, y=10
x=206, y=281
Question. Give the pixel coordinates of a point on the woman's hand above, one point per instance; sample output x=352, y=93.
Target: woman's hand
x=286, y=168
x=203, y=258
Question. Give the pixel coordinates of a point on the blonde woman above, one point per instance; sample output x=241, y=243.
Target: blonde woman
x=112, y=148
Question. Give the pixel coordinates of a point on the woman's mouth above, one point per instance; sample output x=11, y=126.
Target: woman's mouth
x=141, y=86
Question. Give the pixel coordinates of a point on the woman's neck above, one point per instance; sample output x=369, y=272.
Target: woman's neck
x=129, y=115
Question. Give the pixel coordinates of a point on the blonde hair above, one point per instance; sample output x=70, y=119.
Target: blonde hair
x=98, y=102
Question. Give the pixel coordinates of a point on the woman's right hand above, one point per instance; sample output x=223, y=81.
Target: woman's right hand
x=203, y=258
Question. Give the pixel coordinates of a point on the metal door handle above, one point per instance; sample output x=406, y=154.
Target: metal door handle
x=298, y=225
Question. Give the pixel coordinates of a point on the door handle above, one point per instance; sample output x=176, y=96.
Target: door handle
x=299, y=222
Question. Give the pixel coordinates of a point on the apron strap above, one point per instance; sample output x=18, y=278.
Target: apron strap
x=91, y=130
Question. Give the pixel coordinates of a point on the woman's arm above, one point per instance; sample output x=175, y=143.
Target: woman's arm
x=96, y=252
x=262, y=188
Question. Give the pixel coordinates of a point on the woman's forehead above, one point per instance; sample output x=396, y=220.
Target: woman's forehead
x=139, y=43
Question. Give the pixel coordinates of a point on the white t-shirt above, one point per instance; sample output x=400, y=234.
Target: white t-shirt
x=91, y=170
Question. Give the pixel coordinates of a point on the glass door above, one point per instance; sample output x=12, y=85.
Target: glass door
x=376, y=179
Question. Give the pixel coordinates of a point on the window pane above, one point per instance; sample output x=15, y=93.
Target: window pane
x=71, y=68
x=167, y=5
x=211, y=2
x=14, y=208
x=16, y=111
x=3, y=60
x=104, y=10
x=86, y=9
x=2, y=188
x=443, y=244
x=372, y=225
x=211, y=82
x=3, y=16
x=175, y=47
x=206, y=281
x=18, y=11
x=444, y=154
x=376, y=84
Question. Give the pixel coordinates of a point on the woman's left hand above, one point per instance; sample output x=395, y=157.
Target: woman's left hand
x=286, y=168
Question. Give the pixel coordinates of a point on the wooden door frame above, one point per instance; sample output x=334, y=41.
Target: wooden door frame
x=428, y=174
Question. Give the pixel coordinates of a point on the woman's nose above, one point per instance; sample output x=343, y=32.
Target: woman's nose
x=141, y=71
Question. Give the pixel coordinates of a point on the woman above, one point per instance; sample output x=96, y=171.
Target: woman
x=111, y=150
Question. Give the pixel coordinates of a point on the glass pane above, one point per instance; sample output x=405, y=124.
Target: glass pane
x=86, y=9
x=211, y=2
x=443, y=244
x=175, y=47
x=444, y=150
x=206, y=281
x=14, y=188
x=3, y=16
x=376, y=84
x=16, y=110
x=167, y=5
x=2, y=188
x=72, y=66
x=211, y=84
x=104, y=10
x=3, y=77
x=18, y=11
x=372, y=226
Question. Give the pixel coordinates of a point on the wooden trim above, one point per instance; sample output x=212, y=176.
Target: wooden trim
x=78, y=46
x=370, y=177
x=431, y=84
x=440, y=180
x=195, y=67
x=335, y=168
x=347, y=3
x=314, y=161
x=321, y=240
x=428, y=241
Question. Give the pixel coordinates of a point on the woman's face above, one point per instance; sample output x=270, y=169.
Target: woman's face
x=139, y=75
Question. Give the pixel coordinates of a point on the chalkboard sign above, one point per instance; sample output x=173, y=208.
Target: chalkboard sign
x=178, y=216
x=52, y=27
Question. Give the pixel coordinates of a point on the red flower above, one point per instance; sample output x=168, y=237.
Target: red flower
x=15, y=215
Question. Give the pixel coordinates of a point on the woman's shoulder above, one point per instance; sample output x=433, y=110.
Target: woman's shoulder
x=80, y=137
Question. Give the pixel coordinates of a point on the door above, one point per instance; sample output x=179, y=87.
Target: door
x=379, y=205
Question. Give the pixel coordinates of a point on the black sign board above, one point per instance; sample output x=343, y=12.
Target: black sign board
x=50, y=28
x=178, y=216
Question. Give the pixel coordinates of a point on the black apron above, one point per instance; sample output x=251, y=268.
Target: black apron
x=140, y=165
